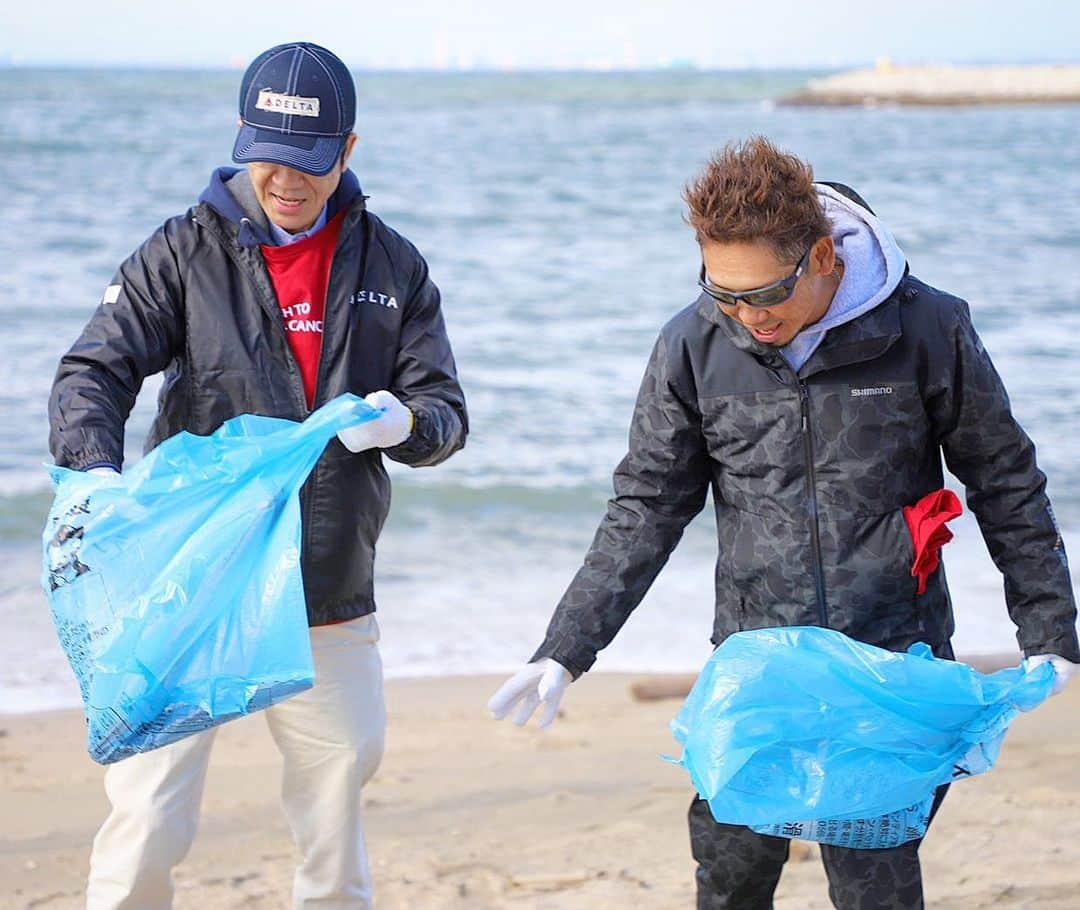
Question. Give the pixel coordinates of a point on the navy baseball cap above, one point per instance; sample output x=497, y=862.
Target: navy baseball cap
x=298, y=105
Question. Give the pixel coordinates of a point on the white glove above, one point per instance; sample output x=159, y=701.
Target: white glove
x=392, y=427
x=543, y=682
x=1063, y=669
x=103, y=469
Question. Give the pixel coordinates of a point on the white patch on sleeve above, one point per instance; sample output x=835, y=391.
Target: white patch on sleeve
x=277, y=103
x=112, y=293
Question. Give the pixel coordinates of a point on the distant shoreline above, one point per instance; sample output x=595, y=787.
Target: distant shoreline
x=886, y=84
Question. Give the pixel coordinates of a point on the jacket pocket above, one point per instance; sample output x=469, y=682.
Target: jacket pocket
x=868, y=574
x=927, y=522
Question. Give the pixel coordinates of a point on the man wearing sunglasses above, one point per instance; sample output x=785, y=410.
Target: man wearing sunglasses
x=814, y=387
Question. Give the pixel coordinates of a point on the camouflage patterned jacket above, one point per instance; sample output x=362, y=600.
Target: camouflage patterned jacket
x=810, y=473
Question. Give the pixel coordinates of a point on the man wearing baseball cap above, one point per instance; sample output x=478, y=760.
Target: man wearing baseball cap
x=276, y=292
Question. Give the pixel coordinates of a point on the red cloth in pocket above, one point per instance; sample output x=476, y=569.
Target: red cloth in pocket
x=926, y=523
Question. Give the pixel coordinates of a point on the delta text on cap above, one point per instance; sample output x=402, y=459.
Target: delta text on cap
x=297, y=107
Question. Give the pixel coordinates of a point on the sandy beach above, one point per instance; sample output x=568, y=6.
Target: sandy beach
x=469, y=813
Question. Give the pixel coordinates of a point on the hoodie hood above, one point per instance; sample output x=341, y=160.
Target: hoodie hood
x=873, y=267
x=231, y=195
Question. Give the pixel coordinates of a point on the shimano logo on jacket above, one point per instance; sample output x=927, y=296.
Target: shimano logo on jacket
x=874, y=390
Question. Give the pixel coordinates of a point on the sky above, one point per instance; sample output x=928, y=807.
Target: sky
x=551, y=34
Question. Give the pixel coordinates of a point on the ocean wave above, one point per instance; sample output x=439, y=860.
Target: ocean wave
x=24, y=503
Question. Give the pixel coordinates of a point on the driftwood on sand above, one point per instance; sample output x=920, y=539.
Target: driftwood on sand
x=677, y=685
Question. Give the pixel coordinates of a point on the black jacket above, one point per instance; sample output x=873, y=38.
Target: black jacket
x=810, y=473
x=196, y=301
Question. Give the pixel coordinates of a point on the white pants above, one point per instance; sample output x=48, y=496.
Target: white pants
x=331, y=740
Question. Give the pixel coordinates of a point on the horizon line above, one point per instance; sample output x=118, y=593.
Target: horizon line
x=547, y=69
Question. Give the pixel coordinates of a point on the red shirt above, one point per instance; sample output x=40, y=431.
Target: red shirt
x=300, y=273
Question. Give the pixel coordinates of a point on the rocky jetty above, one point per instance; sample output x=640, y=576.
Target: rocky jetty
x=887, y=83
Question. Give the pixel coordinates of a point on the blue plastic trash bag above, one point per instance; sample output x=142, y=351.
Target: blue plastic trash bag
x=176, y=588
x=804, y=732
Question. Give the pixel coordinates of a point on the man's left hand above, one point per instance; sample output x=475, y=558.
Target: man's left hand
x=1063, y=669
x=391, y=428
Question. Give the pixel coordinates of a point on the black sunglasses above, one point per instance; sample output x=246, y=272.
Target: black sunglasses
x=771, y=295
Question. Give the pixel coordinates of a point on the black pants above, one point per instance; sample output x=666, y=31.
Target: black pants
x=739, y=869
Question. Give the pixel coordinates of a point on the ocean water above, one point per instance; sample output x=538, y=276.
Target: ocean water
x=549, y=209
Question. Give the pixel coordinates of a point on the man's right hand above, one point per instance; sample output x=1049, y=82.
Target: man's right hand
x=540, y=683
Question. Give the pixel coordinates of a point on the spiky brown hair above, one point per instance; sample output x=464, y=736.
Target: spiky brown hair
x=751, y=191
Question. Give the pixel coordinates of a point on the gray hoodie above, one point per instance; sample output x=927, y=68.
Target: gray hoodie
x=873, y=267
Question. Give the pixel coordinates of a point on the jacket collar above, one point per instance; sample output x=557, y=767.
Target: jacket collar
x=230, y=195
x=863, y=338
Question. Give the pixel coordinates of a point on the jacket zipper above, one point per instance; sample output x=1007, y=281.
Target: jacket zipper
x=295, y=383
x=305, y=513
x=811, y=481
x=342, y=236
